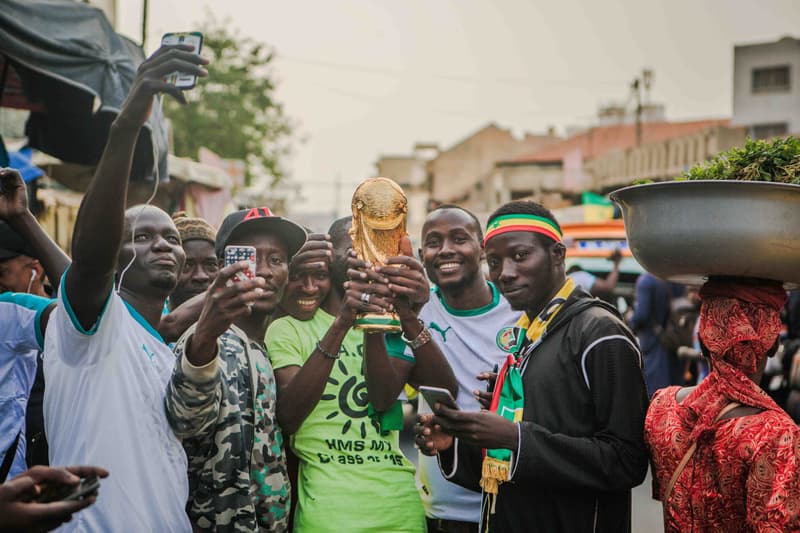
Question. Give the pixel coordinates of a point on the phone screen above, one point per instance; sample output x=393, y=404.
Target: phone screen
x=234, y=254
x=195, y=39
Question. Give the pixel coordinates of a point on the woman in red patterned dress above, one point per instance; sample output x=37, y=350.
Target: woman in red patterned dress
x=725, y=457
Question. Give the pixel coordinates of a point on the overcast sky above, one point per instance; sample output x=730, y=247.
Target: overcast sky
x=365, y=78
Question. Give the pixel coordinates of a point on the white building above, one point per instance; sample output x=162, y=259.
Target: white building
x=766, y=87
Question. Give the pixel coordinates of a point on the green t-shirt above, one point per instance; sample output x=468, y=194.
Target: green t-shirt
x=351, y=477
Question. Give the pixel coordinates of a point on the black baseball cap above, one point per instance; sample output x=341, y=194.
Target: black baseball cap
x=261, y=218
x=12, y=244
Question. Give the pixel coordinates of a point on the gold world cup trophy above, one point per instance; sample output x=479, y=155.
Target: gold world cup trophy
x=379, y=223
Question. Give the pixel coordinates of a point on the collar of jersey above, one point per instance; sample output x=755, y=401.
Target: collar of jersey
x=144, y=323
x=471, y=312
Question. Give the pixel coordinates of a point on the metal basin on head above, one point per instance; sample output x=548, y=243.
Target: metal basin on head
x=686, y=231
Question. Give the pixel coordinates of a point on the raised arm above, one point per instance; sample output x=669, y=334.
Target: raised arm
x=99, y=225
x=192, y=399
x=408, y=290
x=300, y=387
x=14, y=210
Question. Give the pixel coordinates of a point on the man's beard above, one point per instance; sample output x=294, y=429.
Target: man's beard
x=164, y=281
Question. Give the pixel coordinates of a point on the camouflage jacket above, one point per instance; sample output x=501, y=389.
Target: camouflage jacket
x=224, y=414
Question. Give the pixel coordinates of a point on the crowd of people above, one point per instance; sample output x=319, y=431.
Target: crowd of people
x=211, y=402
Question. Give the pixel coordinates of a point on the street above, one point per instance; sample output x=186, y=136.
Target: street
x=646, y=512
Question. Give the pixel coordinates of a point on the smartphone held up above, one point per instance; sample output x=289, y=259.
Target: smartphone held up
x=194, y=39
x=235, y=254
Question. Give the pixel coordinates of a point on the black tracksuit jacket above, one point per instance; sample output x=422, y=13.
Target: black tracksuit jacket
x=581, y=435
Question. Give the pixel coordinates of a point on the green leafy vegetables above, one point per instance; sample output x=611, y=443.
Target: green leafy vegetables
x=776, y=160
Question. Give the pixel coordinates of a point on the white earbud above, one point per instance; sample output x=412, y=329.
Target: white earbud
x=33, y=277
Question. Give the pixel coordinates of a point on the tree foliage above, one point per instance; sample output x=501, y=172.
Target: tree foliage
x=234, y=111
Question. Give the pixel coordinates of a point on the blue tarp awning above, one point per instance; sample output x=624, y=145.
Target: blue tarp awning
x=21, y=160
x=75, y=71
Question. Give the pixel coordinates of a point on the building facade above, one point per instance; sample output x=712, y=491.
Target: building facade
x=603, y=158
x=766, y=88
x=431, y=176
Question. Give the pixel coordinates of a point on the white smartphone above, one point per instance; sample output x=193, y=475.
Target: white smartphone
x=195, y=39
x=434, y=395
x=234, y=254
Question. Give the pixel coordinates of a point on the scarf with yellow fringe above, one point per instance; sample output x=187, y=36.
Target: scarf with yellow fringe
x=508, y=398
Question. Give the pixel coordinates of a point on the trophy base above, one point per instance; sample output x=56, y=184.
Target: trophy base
x=385, y=323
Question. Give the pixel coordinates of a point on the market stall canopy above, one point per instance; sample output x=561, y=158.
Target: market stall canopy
x=62, y=60
x=185, y=169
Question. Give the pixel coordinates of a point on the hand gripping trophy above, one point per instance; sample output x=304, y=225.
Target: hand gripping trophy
x=379, y=223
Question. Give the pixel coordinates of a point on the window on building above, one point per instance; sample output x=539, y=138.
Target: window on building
x=767, y=131
x=771, y=79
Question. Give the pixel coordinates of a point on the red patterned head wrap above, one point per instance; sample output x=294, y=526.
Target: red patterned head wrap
x=740, y=321
x=739, y=324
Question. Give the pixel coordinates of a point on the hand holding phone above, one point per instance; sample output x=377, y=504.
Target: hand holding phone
x=484, y=398
x=235, y=254
x=54, y=493
x=194, y=39
x=434, y=395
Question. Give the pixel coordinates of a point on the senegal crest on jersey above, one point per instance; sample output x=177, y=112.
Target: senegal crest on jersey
x=508, y=338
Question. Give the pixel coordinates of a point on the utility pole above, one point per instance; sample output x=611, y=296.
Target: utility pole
x=144, y=24
x=644, y=81
x=637, y=93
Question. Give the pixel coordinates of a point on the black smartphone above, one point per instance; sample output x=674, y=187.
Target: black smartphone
x=491, y=382
x=57, y=493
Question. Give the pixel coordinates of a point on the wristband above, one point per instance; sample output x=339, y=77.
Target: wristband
x=422, y=339
x=326, y=353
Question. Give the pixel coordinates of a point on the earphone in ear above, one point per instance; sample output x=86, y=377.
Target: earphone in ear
x=33, y=277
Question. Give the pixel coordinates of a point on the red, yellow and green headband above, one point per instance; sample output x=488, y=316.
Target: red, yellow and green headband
x=521, y=222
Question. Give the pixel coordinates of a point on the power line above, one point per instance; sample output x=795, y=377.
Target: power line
x=396, y=73
x=361, y=97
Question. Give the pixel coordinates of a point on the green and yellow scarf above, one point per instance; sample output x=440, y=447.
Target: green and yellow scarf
x=508, y=399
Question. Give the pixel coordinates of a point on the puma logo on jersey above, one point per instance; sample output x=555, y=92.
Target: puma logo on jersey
x=442, y=332
x=150, y=354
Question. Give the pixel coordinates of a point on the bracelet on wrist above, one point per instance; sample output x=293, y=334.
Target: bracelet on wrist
x=422, y=339
x=326, y=353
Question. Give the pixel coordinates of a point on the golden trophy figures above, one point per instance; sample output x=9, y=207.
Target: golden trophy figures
x=379, y=223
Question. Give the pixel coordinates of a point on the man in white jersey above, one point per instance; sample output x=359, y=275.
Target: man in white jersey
x=472, y=324
x=106, y=367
